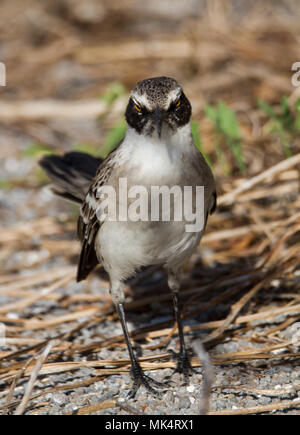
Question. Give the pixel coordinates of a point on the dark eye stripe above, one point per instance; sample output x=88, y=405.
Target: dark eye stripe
x=175, y=104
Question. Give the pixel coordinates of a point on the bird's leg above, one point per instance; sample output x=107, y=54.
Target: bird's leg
x=136, y=371
x=183, y=362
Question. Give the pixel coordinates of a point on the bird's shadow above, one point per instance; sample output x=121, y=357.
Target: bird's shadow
x=207, y=295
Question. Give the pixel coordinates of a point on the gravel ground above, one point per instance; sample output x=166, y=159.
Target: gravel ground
x=235, y=386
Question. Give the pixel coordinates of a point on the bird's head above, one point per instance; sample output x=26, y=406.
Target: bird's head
x=157, y=106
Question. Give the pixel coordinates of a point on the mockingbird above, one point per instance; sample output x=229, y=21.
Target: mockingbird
x=158, y=150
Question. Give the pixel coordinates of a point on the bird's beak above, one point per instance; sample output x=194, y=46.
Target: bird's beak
x=158, y=120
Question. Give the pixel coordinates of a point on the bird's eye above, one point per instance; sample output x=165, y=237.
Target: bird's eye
x=138, y=108
x=178, y=104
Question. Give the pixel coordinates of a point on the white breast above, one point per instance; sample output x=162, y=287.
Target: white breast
x=156, y=160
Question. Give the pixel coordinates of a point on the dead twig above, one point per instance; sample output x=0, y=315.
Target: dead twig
x=34, y=374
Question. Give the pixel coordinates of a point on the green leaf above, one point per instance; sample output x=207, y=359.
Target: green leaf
x=195, y=133
x=35, y=150
x=227, y=133
x=284, y=103
x=5, y=184
x=87, y=148
x=113, y=92
x=236, y=147
x=113, y=137
x=287, y=116
x=198, y=143
x=266, y=108
x=297, y=108
x=227, y=121
x=211, y=113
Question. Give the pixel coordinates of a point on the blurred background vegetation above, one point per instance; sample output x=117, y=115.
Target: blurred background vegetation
x=80, y=59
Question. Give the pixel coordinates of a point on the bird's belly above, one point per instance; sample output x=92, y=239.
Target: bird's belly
x=124, y=247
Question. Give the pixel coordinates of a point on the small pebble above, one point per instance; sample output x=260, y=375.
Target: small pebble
x=190, y=388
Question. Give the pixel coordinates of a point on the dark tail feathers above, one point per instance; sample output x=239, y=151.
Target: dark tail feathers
x=71, y=174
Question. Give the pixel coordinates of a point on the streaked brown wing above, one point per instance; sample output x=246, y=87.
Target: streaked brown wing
x=88, y=223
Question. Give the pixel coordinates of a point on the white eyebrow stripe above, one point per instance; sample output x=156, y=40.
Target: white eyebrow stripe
x=140, y=100
x=173, y=96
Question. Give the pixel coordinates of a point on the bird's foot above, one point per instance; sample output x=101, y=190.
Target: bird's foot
x=183, y=365
x=139, y=378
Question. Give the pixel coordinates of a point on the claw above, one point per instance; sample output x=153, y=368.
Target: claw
x=183, y=365
x=139, y=378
